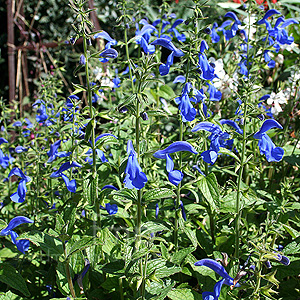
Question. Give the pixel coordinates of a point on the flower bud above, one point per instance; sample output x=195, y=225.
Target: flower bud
x=144, y=116
x=207, y=30
x=82, y=60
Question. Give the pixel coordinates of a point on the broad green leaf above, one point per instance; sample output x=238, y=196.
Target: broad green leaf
x=152, y=227
x=166, y=92
x=114, y=267
x=125, y=194
x=191, y=234
x=180, y=255
x=161, y=268
x=61, y=278
x=230, y=153
x=9, y=296
x=10, y=276
x=209, y=187
x=51, y=245
x=158, y=193
x=184, y=294
x=83, y=243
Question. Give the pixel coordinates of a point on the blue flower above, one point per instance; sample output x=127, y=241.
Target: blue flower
x=4, y=160
x=142, y=38
x=112, y=209
x=105, y=55
x=214, y=94
x=70, y=184
x=135, y=177
x=230, y=33
x=182, y=211
x=20, y=149
x=216, y=293
x=82, y=60
x=22, y=245
x=19, y=195
x=219, y=269
x=265, y=144
x=218, y=139
x=3, y=140
x=52, y=153
x=179, y=37
x=164, y=68
x=207, y=71
x=187, y=111
x=214, y=36
x=156, y=210
x=175, y=176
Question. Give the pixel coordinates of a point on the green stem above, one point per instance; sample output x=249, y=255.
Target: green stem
x=178, y=196
x=69, y=278
x=121, y=288
x=242, y=164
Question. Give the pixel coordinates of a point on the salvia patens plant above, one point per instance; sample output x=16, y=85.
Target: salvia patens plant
x=170, y=170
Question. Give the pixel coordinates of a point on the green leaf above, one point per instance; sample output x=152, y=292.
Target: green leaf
x=83, y=243
x=209, y=187
x=230, y=153
x=180, y=255
x=3, y=224
x=9, y=296
x=161, y=268
x=51, y=245
x=184, y=294
x=191, y=234
x=158, y=193
x=152, y=227
x=88, y=130
x=10, y=276
x=126, y=194
x=294, y=233
x=166, y=92
x=61, y=278
x=114, y=267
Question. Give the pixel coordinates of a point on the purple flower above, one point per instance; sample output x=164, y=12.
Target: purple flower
x=135, y=177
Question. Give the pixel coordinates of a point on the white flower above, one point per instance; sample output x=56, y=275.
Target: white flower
x=275, y=100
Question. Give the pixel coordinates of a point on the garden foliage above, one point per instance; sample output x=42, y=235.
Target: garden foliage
x=171, y=170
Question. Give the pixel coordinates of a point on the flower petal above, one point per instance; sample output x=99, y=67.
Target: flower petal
x=14, y=223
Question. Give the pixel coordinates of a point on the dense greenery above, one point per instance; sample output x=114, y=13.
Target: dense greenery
x=170, y=171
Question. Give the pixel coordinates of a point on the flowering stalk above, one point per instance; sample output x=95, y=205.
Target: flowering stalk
x=244, y=141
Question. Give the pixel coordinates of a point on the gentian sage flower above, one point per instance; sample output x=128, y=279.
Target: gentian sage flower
x=230, y=33
x=4, y=160
x=142, y=38
x=219, y=269
x=265, y=144
x=19, y=195
x=70, y=184
x=164, y=68
x=179, y=37
x=175, y=176
x=214, y=36
x=207, y=71
x=106, y=54
x=53, y=153
x=112, y=209
x=218, y=139
x=135, y=177
x=187, y=111
x=3, y=140
x=22, y=245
